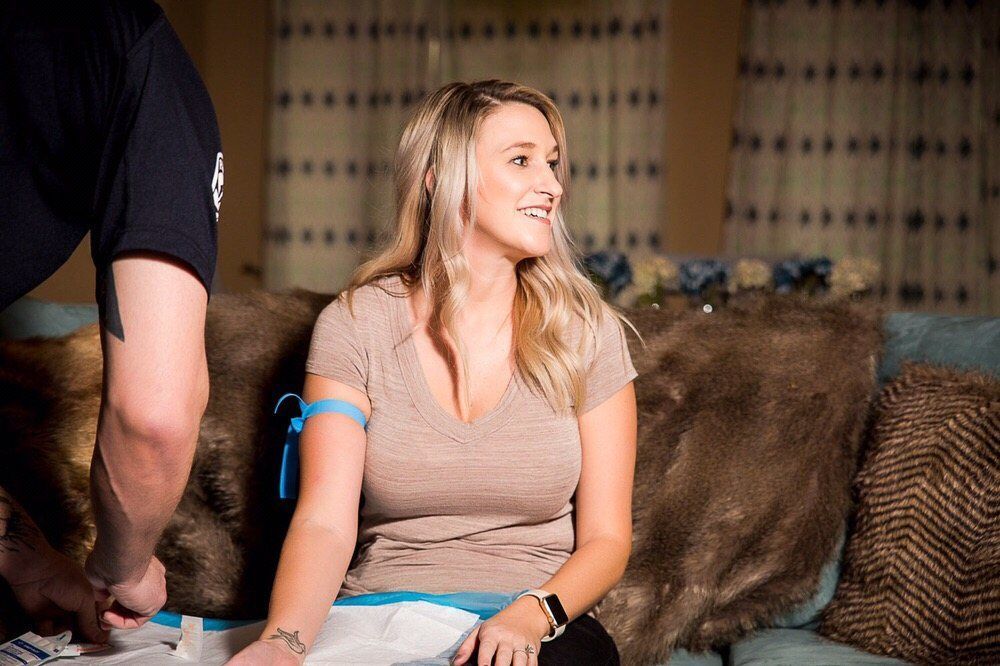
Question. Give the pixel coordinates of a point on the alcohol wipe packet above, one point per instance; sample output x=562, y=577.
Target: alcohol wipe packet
x=30, y=649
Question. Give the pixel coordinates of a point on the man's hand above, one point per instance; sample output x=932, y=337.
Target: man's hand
x=52, y=589
x=135, y=601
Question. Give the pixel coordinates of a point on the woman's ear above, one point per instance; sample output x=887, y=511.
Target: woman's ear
x=429, y=182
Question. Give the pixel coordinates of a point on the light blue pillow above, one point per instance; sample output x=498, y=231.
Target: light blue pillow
x=685, y=658
x=31, y=317
x=970, y=343
x=795, y=647
x=806, y=615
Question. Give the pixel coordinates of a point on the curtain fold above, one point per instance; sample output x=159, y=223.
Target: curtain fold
x=870, y=129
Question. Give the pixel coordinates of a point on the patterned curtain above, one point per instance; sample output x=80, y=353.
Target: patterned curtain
x=870, y=128
x=346, y=75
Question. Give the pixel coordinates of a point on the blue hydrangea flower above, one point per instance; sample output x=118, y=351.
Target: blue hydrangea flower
x=787, y=274
x=821, y=267
x=698, y=274
x=611, y=268
x=793, y=273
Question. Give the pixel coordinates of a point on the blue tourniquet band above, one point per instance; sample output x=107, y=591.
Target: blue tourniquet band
x=288, y=484
x=483, y=604
x=171, y=619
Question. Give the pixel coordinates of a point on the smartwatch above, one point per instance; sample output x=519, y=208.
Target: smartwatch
x=553, y=610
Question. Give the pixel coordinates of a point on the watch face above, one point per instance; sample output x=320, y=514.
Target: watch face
x=556, y=608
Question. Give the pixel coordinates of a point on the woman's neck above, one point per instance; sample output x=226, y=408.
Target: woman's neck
x=488, y=306
x=492, y=283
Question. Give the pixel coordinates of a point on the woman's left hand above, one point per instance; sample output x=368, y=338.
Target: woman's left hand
x=504, y=639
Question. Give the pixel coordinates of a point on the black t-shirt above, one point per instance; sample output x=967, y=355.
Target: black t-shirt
x=106, y=127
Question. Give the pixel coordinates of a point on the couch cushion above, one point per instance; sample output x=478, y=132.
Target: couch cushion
x=920, y=576
x=799, y=647
x=963, y=342
x=685, y=658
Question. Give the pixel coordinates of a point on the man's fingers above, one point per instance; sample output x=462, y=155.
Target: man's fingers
x=78, y=600
x=119, y=617
x=110, y=619
x=86, y=621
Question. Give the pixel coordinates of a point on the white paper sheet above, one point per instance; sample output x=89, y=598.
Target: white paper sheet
x=411, y=632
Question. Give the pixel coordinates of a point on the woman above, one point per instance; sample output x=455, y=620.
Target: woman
x=496, y=386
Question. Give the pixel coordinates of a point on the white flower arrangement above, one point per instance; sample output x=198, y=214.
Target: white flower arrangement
x=854, y=275
x=651, y=278
x=657, y=281
x=752, y=274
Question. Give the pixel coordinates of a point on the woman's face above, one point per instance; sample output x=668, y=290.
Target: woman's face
x=518, y=194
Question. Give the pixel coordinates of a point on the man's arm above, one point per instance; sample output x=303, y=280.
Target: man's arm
x=45, y=583
x=19, y=536
x=155, y=392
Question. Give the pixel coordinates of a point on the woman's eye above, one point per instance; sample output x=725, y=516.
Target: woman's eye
x=553, y=164
x=520, y=160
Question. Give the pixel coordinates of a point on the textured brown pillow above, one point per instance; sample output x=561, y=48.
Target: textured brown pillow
x=921, y=578
x=750, y=422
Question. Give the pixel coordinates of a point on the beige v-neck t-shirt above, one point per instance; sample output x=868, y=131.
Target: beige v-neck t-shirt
x=450, y=506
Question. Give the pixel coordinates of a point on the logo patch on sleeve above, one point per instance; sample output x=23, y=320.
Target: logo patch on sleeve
x=217, y=181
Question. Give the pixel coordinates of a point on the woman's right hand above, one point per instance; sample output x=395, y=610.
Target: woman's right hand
x=265, y=652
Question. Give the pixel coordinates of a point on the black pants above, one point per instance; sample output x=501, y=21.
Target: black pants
x=584, y=643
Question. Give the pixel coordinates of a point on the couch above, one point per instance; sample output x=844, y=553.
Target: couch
x=971, y=343
x=963, y=342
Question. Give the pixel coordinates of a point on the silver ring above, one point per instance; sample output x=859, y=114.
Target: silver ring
x=529, y=649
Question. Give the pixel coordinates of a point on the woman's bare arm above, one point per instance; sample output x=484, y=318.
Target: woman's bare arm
x=603, y=506
x=323, y=531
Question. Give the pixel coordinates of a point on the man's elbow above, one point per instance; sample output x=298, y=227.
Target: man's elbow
x=165, y=425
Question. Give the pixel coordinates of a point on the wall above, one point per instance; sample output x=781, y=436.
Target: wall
x=227, y=40
x=701, y=95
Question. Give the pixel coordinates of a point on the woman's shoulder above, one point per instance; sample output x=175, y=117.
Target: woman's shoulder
x=364, y=307
x=600, y=324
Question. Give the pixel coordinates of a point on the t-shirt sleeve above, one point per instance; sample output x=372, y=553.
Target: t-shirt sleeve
x=611, y=367
x=337, y=351
x=161, y=176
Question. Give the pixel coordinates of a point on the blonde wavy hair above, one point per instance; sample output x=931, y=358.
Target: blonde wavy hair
x=425, y=246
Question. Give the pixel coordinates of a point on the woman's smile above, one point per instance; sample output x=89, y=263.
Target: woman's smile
x=537, y=213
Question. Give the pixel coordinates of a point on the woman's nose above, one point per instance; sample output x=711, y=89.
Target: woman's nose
x=549, y=184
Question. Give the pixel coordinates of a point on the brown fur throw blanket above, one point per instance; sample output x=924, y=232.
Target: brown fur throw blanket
x=749, y=426
x=750, y=421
